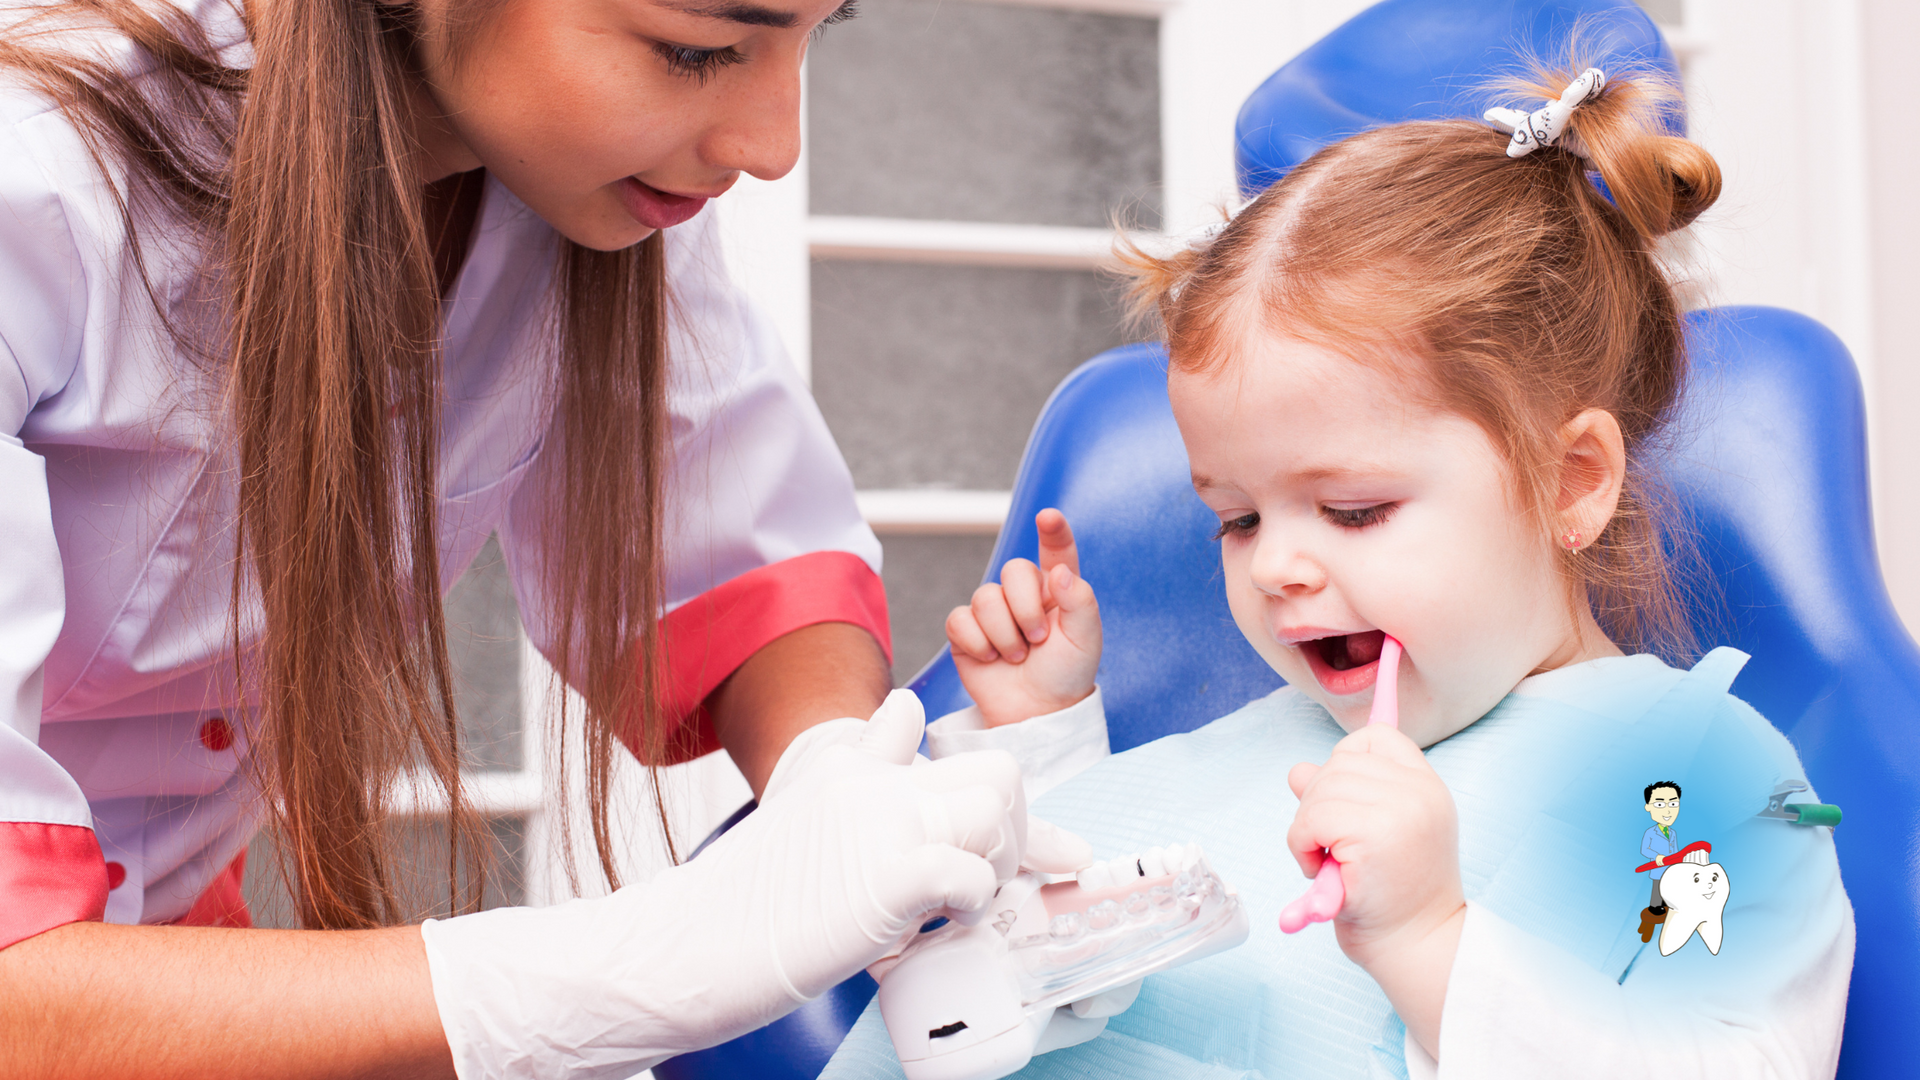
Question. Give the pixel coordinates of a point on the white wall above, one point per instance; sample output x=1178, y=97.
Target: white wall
x=1802, y=103
x=1889, y=35
x=1213, y=53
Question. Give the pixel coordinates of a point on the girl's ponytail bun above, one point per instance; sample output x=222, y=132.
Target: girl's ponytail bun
x=1659, y=182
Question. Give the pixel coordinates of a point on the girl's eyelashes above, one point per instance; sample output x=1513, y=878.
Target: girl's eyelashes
x=1359, y=517
x=691, y=63
x=1239, y=526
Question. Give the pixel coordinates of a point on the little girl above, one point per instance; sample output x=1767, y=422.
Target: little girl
x=1420, y=381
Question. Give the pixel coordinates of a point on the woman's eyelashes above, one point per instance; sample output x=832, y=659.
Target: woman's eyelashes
x=1239, y=526
x=1358, y=517
x=691, y=63
x=846, y=11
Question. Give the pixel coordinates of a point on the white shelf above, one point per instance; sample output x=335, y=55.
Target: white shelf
x=920, y=512
x=965, y=242
x=491, y=794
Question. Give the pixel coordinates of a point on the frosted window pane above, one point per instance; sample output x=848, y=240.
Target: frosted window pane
x=931, y=376
x=483, y=641
x=961, y=111
x=926, y=577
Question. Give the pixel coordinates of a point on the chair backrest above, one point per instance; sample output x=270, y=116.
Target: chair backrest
x=1427, y=60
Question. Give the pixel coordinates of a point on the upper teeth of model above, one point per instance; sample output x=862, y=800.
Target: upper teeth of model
x=1154, y=862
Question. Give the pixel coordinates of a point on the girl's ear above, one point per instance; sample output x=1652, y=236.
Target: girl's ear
x=1593, y=467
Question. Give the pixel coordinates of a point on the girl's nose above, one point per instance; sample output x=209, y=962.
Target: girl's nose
x=1280, y=568
x=757, y=128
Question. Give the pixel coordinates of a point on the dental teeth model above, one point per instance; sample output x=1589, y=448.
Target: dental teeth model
x=1049, y=963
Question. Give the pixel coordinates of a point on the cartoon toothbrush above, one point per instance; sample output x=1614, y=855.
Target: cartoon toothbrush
x=1323, y=898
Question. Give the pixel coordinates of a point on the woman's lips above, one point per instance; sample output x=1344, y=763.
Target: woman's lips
x=654, y=208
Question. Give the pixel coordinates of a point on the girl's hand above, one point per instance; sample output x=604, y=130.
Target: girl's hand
x=1385, y=814
x=1031, y=644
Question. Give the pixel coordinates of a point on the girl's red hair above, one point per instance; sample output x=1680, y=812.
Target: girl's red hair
x=1527, y=295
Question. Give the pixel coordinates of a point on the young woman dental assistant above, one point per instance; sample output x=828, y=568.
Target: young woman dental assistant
x=298, y=304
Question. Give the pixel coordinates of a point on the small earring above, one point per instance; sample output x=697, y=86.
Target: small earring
x=1571, y=540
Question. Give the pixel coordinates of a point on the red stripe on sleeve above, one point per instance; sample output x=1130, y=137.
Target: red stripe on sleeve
x=50, y=875
x=710, y=636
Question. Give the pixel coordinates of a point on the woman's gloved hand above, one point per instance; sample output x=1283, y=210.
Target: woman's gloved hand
x=851, y=850
x=1034, y=844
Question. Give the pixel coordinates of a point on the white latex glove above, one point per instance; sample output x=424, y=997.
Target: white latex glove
x=850, y=851
x=1042, y=846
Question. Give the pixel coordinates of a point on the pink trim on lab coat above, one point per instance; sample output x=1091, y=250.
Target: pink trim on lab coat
x=710, y=636
x=50, y=875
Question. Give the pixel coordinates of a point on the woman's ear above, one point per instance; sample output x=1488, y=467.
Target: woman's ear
x=1593, y=467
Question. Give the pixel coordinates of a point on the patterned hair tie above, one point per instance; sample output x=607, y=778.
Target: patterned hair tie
x=1544, y=125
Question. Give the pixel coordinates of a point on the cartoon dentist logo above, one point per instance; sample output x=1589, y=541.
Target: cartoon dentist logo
x=1689, y=893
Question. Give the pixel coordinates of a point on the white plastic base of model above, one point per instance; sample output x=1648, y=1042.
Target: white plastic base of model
x=979, y=1002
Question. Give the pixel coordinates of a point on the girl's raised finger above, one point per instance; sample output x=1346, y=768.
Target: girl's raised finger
x=1057, y=546
x=996, y=621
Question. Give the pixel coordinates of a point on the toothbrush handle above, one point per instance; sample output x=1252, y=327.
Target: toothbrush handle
x=1323, y=898
x=1386, y=686
x=1319, y=903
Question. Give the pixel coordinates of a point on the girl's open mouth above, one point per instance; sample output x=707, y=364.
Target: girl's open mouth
x=1345, y=663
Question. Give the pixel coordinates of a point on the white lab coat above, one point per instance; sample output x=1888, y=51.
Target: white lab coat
x=117, y=508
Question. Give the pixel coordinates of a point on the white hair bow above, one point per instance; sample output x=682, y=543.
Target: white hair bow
x=1543, y=126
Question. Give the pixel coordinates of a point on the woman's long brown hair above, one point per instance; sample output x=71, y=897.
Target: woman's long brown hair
x=303, y=178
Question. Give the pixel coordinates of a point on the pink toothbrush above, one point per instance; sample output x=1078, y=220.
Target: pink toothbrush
x=1323, y=898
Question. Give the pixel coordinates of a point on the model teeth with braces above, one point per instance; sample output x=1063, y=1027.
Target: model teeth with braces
x=1050, y=962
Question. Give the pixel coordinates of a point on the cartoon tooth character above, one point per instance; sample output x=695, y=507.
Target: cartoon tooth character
x=1659, y=843
x=1696, y=895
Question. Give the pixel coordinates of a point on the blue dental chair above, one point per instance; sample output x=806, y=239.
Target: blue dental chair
x=1772, y=474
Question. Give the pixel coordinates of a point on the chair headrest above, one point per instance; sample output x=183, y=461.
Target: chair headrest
x=1425, y=60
